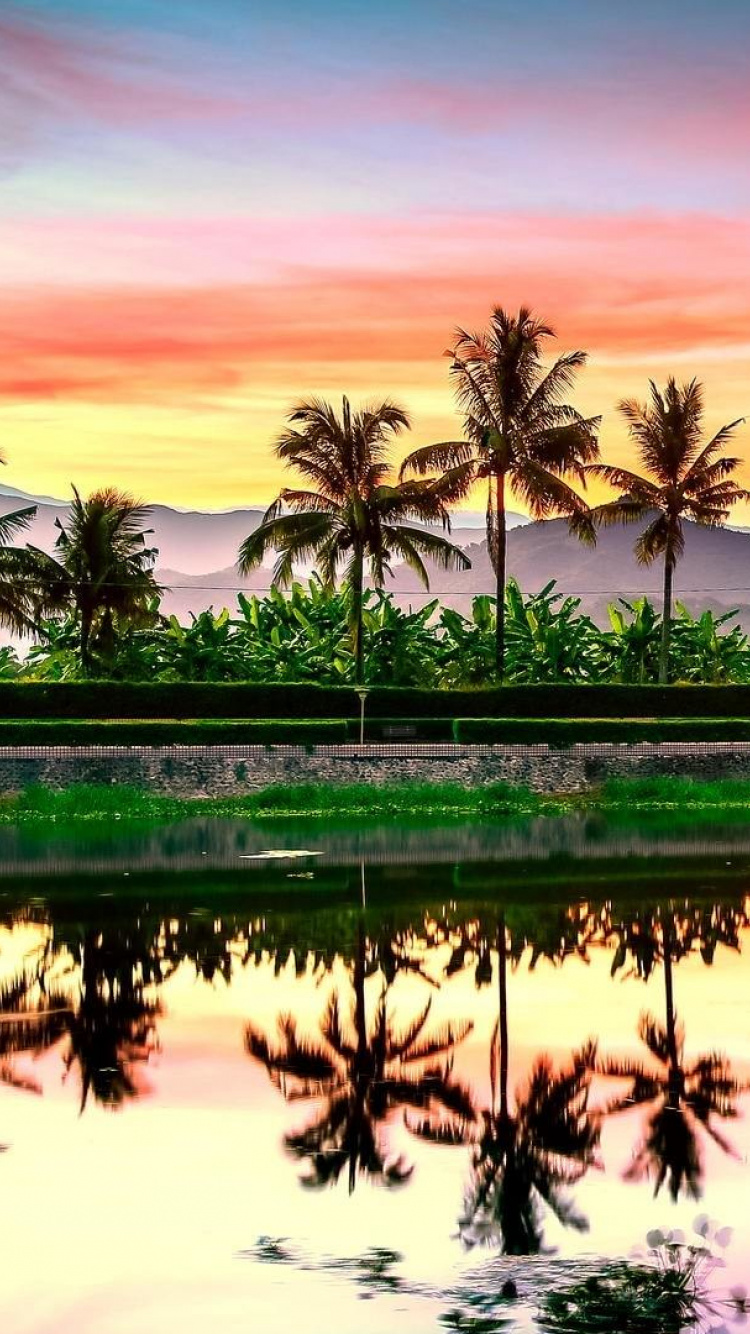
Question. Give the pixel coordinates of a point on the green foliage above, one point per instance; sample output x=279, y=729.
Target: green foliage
x=305, y=636
x=665, y=1293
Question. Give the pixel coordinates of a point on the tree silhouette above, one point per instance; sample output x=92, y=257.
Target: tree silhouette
x=103, y=571
x=682, y=1097
x=684, y=479
x=521, y=435
x=363, y=1068
x=29, y=1024
x=110, y=1026
x=526, y=1156
x=357, y=514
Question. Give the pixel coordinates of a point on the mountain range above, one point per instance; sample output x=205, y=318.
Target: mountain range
x=197, y=551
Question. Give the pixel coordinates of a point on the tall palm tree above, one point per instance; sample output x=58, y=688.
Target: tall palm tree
x=356, y=514
x=521, y=436
x=684, y=479
x=363, y=1068
x=524, y=1157
x=681, y=1096
x=102, y=569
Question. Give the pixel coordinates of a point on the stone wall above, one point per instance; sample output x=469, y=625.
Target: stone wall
x=231, y=770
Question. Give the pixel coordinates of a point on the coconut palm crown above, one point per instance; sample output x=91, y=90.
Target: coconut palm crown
x=521, y=435
x=102, y=569
x=356, y=514
x=683, y=479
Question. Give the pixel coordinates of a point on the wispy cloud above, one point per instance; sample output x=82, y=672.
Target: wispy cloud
x=615, y=286
x=60, y=74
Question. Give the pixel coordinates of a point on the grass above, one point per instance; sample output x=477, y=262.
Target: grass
x=618, y=797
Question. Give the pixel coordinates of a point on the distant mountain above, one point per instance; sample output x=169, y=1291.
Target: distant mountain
x=197, y=553
x=192, y=541
x=714, y=572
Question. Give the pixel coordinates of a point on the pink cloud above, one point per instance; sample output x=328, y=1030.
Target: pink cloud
x=638, y=286
x=53, y=74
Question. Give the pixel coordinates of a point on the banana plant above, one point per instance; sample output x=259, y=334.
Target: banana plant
x=701, y=652
x=634, y=643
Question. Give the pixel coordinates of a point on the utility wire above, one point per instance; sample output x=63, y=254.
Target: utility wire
x=419, y=593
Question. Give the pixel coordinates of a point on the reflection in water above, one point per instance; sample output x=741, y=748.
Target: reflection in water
x=681, y=1096
x=526, y=1158
x=363, y=1071
x=203, y=969
x=27, y=1025
x=99, y=1012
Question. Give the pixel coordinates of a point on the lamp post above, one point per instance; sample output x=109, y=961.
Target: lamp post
x=362, y=691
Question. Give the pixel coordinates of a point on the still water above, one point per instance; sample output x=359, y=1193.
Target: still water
x=254, y=1076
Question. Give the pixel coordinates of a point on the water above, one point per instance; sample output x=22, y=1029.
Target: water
x=368, y=1073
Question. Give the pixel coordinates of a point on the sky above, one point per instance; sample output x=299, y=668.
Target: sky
x=208, y=212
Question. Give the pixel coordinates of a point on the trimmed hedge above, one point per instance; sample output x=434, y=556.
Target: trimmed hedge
x=179, y=699
x=169, y=732
x=566, y=732
x=120, y=700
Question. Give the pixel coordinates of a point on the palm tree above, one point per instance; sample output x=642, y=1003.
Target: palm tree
x=356, y=514
x=18, y=573
x=526, y=1157
x=684, y=479
x=363, y=1070
x=103, y=570
x=521, y=435
x=681, y=1096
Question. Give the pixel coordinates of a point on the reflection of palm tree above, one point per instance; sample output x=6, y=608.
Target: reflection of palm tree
x=525, y=1159
x=111, y=1031
x=681, y=1098
x=26, y=1026
x=364, y=1071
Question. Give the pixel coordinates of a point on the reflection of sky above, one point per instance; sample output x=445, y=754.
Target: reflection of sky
x=159, y=1198
x=208, y=211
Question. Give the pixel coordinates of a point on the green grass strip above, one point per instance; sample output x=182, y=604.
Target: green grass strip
x=618, y=797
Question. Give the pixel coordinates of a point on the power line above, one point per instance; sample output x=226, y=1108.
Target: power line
x=417, y=593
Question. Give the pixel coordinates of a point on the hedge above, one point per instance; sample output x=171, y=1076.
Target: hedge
x=179, y=699
x=117, y=699
x=168, y=732
x=566, y=732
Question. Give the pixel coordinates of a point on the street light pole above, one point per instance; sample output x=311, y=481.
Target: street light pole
x=362, y=692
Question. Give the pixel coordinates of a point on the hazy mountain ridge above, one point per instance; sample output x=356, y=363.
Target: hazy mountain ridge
x=197, y=554
x=714, y=573
x=193, y=542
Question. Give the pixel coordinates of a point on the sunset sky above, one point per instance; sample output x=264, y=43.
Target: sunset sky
x=208, y=211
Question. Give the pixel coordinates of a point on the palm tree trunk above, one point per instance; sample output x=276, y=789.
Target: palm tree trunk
x=666, y=624
x=500, y=575
x=669, y=990
x=502, y=1035
x=85, y=640
x=357, y=582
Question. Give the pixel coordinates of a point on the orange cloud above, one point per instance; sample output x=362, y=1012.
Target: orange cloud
x=643, y=287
